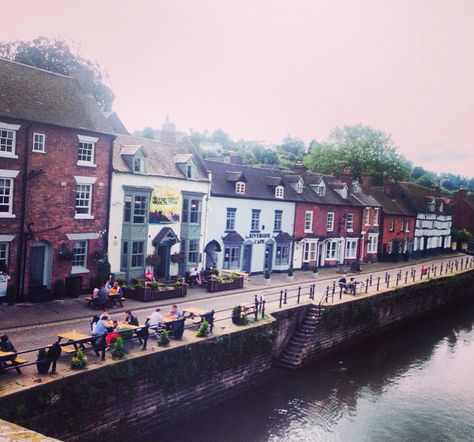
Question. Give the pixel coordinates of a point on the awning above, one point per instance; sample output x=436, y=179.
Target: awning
x=165, y=235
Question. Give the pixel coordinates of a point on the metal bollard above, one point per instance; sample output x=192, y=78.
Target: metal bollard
x=333, y=287
x=406, y=276
x=398, y=279
x=281, y=297
x=299, y=294
x=388, y=281
x=428, y=272
x=340, y=292
x=378, y=283
x=256, y=308
x=370, y=280
x=435, y=270
x=366, y=285
x=414, y=275
x=285, y=296
x=327, y=294
x=441, y=269
x=263, y=309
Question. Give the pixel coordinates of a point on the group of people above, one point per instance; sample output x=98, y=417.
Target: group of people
x=104, y=325
x=348, y=286
x=101, y=296
x=155, y=320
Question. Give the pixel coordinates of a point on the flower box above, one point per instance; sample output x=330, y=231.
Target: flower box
x=147, y=294
x=215, y=286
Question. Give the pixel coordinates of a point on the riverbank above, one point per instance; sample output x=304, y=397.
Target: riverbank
x=165, y=386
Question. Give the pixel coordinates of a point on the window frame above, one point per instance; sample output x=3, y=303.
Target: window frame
x=35, y=142
x=83, y=139
x=240, y=188
x=331, y=250
x=309, y=251
x=372, y=243
x=80, y=267
x=391, y=226
x=13, y=128
x=352, y=249
x=137, y=211
x=308, y=221
x=279, y=192
x=4, y=254
x=141, y=164
x=193, y=252
x=230, y=219
x=231, y=251
x=350, y=216
x=10, y=196
x=330, y=225
x=89, y=182
x=137, y=255
x=376, y=216
x=255, y=220
x=277, y=220
x=367, y=216
x=282, y=256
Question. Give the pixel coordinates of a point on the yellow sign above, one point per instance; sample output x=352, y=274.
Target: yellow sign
x=164, y=206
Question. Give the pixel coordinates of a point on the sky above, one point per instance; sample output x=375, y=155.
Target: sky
x=264, y=69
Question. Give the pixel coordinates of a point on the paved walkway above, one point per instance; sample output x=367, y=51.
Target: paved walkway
x=61, y=310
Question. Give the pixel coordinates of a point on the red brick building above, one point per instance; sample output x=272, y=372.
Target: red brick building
x=462, y=209
x=55, y=162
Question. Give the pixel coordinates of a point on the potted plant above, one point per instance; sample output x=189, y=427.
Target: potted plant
x=43, y=362
x=203, y=329
x=315, y=272
x=118, y=350
x=290, y=277
x=268, y=277
x=163, y=339
x=153, y=260
x=79, y=360
x=237, y=317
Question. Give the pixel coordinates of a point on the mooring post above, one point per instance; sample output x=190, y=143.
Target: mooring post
x=378, y=283
x=398, y=279
x=414, y=275
x=256, y=308
x=366, y=285
x=435, y=270
x=299, y=294
x=314, y=289
x=281, y=297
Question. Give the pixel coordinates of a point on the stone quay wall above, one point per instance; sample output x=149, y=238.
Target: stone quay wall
x=131, y=398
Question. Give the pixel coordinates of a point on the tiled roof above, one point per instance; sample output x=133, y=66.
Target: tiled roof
x=416, y=197
x=36, y=95
x=161, y=157
x=390, y=206
x=116, y=123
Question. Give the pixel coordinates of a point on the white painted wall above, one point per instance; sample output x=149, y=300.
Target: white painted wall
x=435, y=227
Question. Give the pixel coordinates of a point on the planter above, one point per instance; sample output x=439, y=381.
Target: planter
x=43, y=366
x=214, y=286
x=290, y=278
x=147, y=294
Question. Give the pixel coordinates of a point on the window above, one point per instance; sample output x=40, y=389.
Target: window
x=38, y=142
x=3, y=256
x=277, y=220
x=138, y=253
x=391, y=227
x=299, y=186
x=189, y=170
x=8, y=140
x=86, y=151
x=372, y=243
x=279, y=192
x=390, y=247
x=351, y=249
x=330, y=222
x=407, y=225
x=83, y=200
x=367, y=216
x=441, y=206
x=255, y=221
x=139, y=209
x=232, y=256
x=309, y=252
x=230, y=219
x=191, y=212
x=308, y=221
x=240, y=187
x=80, y=254
x=282, y=254
x=124, y=260
x=331, y=250
x=6, y=197
x=402, y=225
x=350, y=222
x=376, y=216
x=139, y=165
x=320, y=189
x=193, y=251
x=127, y=209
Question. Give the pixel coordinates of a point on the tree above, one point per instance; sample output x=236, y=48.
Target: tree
x=57, y=55
x=148, y=132
x=361, y=148
x=219, y=136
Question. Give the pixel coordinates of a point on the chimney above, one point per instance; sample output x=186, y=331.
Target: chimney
x=235, y=159
x=460, y=195
x=365, y=181
x=299, y=168
x=168, y=132
x=389, y=187
x=346, y=177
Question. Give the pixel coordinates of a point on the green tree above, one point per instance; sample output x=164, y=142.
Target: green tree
x=60, y=56
x=219, y=136
x=361, y=148
x=148, y=132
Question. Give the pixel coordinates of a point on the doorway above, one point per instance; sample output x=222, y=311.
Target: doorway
x=268, y=260
x=40, y=265
x=247, y=259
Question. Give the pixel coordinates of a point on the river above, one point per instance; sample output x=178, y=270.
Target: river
x=415, y=383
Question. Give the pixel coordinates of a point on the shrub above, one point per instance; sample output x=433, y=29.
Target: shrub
x=125, y=332
x=79, y=360
x=267, y=274
x=118, y=350
x=164, y=338
x=203, y=329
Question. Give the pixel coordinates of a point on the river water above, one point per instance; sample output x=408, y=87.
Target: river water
x=412, y=384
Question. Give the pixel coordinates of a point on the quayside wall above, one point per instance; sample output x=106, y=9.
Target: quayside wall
x=131, y=398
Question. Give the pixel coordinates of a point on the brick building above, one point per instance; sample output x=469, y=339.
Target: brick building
x=462, y=210
x=55, y=159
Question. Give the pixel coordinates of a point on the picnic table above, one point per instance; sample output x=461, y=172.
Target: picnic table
x=76, y=339
x=11, y=359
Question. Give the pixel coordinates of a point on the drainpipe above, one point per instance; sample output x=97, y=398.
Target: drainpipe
x=22, y=248
x=109, y=196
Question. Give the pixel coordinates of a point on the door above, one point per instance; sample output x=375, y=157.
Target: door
x=37, y=262
x=268, y=262
x=163, y=269
x=247, y=261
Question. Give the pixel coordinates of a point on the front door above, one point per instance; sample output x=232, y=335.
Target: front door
x=37, y=262
x=247, y=261
x=163, y=270
x=268, y=263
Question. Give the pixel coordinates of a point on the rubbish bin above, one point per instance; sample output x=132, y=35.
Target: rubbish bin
x=3, y=285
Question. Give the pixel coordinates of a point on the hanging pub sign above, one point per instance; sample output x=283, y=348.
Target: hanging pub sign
x=164, y=206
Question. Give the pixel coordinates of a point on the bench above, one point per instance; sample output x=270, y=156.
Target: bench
x=69, y=349
x=111, y=302
x=16, y=363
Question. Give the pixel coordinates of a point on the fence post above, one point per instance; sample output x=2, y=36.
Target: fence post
x=256, y=308
x=340, y=292
x=333, y=287
x=441, y=269
x=435, y=270
x=398, y=279
x=414, y=275
x=281, y=297
x=388, y=281
x=284, y=297
x=386, y=276
x=378, y=283
x=366, y=285
x=428, y=272
x=299, y=294
x=370, y=280
x=327, y=294
x=406, y=276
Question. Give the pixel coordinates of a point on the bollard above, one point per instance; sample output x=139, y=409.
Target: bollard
x=281, y=297
x=378, y=283
x=310, y=292
x=388, y=281
x=366, y=285
x=340, y=292
x=441, y=269
x=435, y=270
x=398, y=279
x=327, y=294
x=406, y=276
x=428, y=272
x=256, y=308
x=299, y=294
x=314, y=290
x=370, y=280
x=333, y=287
x=414, y=275
x=284, y=297
x=386, y=276
x=263, y=309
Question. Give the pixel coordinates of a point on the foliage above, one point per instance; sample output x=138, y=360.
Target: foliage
x=137, y=284
x=237, y=317
x=203, y=330
x=153, y=260
x=164, y=338
x=79, y=360
x=126, y=332
x=177, y=257
x=315, y=269
x=103, y=271
x=290, y=271
x=361, y=148
x=99, y=256
x=148, y=132
x=60, y=56
x=65, y=254
x=267, y=274
x=461, y=235
x=118, y=350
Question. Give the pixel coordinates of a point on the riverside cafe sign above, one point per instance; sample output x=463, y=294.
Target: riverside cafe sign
x=258, y=238
x=164, y=206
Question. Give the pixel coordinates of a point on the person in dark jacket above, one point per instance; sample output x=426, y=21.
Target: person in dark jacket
x=130, y=319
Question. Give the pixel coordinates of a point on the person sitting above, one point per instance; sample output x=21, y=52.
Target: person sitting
x=117, y=290
x=155, y=319
x=103, y=296
x=352, y=285
x=102, y=327
x=130, y=319
x=7, y=346
x=424, y=270
x=343, y=283
x=93, y=325
x=149, y=275
x=193, y=276
x=174, y=313
x=110, y=282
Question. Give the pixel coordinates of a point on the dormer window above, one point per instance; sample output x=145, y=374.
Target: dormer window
x=441, y=206
x=189, y=170
x=139, y=165
x=320, y=189
x=431, y=206
x=299, y=186
x=240, y=188
x=279, y=192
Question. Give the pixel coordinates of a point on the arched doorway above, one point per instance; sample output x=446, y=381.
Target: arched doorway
x=39, y=266
x=211, y=251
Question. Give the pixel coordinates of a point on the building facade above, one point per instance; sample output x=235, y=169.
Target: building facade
x=55, y=155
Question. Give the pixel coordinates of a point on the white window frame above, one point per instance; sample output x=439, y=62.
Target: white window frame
x=279, y=192
x=391, y=226
x=85, y=181
x=331, y=250
x=308, y=221
x=372, y=243
x=87, y=140
x=330, y=222
x=350, y=225
x=367, y=216
x=407, y=224
x=376, y=216
x=10, y=128
x=83, y=267
x=230, y=216
x=299, y=186
x=240, y=188
x=9, y=175
x=351, y=246
x=141, y=164
x=5, y=245
x=277, y=220
x=255, y=220
x=39, y=146
x=309, y=251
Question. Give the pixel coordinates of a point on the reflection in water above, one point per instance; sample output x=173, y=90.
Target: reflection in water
x=412, y=384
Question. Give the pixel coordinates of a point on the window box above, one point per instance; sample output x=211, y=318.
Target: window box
x=157, y=293
x=214, y=285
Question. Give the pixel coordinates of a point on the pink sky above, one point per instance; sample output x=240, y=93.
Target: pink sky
x=263, y=69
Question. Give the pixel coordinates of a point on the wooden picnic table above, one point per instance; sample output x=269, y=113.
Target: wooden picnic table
x=76, y=339
x=6, y=354
x=194, y=311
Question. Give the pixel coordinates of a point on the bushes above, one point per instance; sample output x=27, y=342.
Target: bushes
x=79, y=360
x=203, y=330
x=118, y=350
x=163, y=338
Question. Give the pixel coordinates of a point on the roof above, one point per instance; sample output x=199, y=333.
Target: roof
x=161, y=157
x=34, y=94
x=233, y=237
x=390, y=206
x=417, y=197
x=283, y=236
x=116, y=123
x=167, y=234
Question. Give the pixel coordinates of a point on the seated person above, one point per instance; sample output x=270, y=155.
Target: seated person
x=155, y=319
x=7, y=346
x=116, y=290
x=174, y=313
x=130, y=319
x=103, y=296
x=102, y=326
x=109, y=283
x=343, y=283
